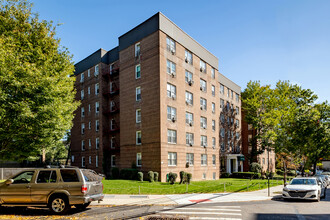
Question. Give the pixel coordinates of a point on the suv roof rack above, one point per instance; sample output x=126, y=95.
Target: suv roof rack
x=60, y=166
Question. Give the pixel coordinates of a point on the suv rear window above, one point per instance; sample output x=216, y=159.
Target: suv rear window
x=47, y=176
x=69, y=175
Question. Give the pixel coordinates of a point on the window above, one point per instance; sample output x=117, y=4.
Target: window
x=112, y=142
x=97, y=125
x=72, y=158
x=188, y=57
x=171, y=68
x=137, y=49
x=47, y=176
x=96, y=161
x=138, y=159
x=203, y=160
x=204, y=176
x=232, y=94
x=203, y=141
x=237, y=97
x=82, y=94
x=82, y=128
x=213, y=90
x=189, y=139
x=170, y=45
x=97, y=143
x=213, y=125
x=171, y=113
x=213, y=73
x=250, y=127
x=222, y=118
x=90, y=159
x=189, y=98
x=228, y=92
x=213, y=142
x=82, y=112
x=97, y=89
x=222, y=103
x=213, y=160
x=89, y=108
x=89, y=125
x=172, y=158
x=112, y=124
x=171, y=136
x=138, y=93
x=214, y=175
x=82, y=162
x=189, y=118
x=138, y=138
x=71, y=175
x=237, y=110
x=189, y=78
x=89, y=143
x=202, y=66
x=222, y=132
x=213, y=107
x=113, y=160
x=138, y=71
x=97, y=107
x=222, y=89
x=237, y=123
x=82, y=77
x=222, y=146
x=89, y=90
x=190, y=159
x=96, y=73
x=89, y=73
x=203, y=85
x=263, y=161
x=82, y=145
x=171, y=91
x=203, y=103
x=203, y=122
x=250, y=139
x=138, y=116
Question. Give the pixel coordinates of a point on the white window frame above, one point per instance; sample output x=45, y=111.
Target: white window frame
x=113, y=160
x=97, y=143
x=89, y=143
x=189, y=139
x=137, y=49
x=89, y=125
x=213, y=125
x=83, y=145
x=222, y=89
x=89, y=73
x=112, y=142
x=213, y=90
x=96, y=70
x=171, y=113
x=213, y=107
x=189, y=98
x=190, y=159
x=203, y=103
x=138, y=116
x=82, y=77
x=139, y=158
x=213, y=142
x=90, y=159
x=189, y=78
x=189, y=118
x=171, y=68
x=138, y=66
x=138, y=135
x=171, y=136
x=83, y=128
x=188, y=57
x=203, y=122
x=138, y=93
x=212, y=73
x=203, y=85
x=203, y=159
x=97, y=108
x=88, y=90
x=97, y=125
x=96, y=161
x=170, y=45
x=82, y=96
x=171, y=91
x=97, y=88
x=202, y=66
x=214, y=160
x=172, y=158
x=203, y=141
x=83, y=161
x=82, y=112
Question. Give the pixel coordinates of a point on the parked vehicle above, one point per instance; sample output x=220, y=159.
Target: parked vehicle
x=57, y=188
x=327, y=177
x=304, y=188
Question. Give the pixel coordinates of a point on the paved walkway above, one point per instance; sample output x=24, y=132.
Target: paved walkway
x=189, y=198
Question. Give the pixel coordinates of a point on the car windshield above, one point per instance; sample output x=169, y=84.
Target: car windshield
x=303, y=182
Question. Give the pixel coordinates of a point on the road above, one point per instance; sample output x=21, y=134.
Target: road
x=257, y=210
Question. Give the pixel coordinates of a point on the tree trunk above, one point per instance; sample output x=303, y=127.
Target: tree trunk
x=314, y=167
x=284, y=174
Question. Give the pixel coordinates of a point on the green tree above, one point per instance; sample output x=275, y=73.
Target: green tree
x=36, y=90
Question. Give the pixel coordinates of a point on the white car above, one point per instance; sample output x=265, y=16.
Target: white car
x=304, y=188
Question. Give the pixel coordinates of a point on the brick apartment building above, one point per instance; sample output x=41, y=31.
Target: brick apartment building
x=155, y=102
x=248, y=133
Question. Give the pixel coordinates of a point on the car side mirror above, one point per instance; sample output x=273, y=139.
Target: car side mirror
x=9, y=181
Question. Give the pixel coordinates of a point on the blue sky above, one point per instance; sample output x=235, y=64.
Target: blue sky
x=266, y=40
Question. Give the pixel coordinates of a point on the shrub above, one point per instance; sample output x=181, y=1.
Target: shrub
x=128, y=174
x=255, y=167
x=242, y=175
x=140, y=176
x=225, y=175
x=151, y=176
x=280, y=172
x=189, y=176
x=183, y=177
x=115, y=173
x=172, y=177
x=156, y=175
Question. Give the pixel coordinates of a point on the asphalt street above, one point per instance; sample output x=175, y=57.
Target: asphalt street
x=255, y=210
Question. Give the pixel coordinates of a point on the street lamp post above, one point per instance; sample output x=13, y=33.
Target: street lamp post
x=268, y=170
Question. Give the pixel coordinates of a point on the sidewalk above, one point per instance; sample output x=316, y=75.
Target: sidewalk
x=180, y=199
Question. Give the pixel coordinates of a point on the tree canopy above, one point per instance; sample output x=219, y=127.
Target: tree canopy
x=36, y=90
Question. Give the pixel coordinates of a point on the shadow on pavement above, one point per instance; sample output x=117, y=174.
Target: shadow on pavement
x=33, y=211
x=276, y=216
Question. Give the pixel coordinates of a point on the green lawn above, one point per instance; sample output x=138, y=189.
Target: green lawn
x=212, y=186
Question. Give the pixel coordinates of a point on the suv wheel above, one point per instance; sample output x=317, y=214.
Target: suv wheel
x=59, y=205
x=82, y=206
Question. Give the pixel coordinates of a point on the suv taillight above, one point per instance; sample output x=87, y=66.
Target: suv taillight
x=84, y=188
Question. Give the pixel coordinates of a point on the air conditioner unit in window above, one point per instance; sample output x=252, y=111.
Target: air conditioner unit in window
x=172, y=50
x=190, y=144
x=173, y=96
x=201, y=69
x=202, y=108
x=204, y=145
x=188, y=102
x=186, y=60
x=173, y=119
x=201, y=88
x=173, y=74
x=191, y=123
x=204, y=126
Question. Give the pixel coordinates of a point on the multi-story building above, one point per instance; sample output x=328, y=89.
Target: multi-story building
x=154, y=103
x=250, y=149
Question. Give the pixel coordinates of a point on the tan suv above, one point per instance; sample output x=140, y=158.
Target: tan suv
x=57, y=188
